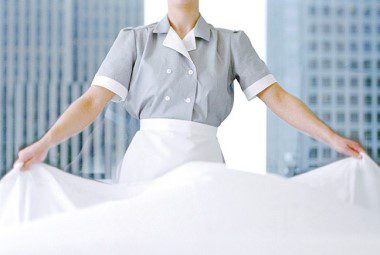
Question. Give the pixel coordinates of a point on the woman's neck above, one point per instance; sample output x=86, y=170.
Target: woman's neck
x=183, y=18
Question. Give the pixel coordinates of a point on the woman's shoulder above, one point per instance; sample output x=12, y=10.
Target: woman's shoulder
x=140, y=28
x=227, y=32
x=138, y=33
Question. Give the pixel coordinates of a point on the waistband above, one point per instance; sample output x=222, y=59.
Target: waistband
x=176, y=125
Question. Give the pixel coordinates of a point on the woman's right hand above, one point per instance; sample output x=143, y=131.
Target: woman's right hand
x=34, y=153
x=81, y=113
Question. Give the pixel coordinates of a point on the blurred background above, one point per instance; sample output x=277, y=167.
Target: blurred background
x=326, y=52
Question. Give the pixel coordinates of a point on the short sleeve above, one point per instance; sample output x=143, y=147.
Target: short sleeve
x=115, y=71
x=248, y=69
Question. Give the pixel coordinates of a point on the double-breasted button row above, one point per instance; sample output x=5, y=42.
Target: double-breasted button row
x=190, y=72
x=187, y=100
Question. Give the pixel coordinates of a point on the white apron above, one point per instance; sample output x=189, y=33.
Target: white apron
x=162, y=144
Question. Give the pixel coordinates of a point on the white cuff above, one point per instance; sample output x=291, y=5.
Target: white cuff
x=259, y=86
x=111, y=84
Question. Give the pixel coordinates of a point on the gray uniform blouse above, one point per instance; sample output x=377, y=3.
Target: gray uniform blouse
x=155, y=74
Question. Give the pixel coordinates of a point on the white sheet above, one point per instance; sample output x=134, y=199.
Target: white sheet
x=198, y=208
x=352, y=181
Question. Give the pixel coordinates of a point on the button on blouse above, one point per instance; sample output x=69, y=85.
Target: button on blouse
x=155, y=74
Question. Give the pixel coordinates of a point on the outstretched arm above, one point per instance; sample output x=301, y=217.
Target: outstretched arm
x=296, y=113
x=82, y=112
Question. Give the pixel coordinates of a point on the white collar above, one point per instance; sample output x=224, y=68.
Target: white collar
x=188, y=41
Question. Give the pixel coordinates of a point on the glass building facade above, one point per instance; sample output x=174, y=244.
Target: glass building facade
x=49, y=53
x=328, y=54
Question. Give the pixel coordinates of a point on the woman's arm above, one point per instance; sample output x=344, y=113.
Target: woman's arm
x=296, y=113
x=81, y=113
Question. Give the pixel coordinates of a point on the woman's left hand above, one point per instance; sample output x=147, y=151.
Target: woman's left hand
x=346, y=146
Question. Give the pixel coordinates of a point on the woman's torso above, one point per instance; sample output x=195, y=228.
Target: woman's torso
x=153, y=73
x=165, y=83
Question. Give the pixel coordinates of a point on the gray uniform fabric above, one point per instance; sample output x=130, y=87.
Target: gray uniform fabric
x=155, y=76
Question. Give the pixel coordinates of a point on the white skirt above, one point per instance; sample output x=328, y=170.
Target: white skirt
x=162, y=144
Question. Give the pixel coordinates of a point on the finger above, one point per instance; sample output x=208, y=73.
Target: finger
x=22, y=155
x=354, y=153
x=18, y=164
x=354, y=145
x=27, y=165
x=357, y=146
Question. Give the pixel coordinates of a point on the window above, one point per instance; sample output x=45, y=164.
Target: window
x=369, y=151
x=340, y=11
x=326, y=10
x=313, y=99
x=368, y=82
x=326, y=99
x=313, y=29
x=326, y=117
x=314, y=81
x=340, y=82
x=354, y=82
x=326, y=29
x=367, y=64
x=354, y=65
x=313, y=64
x=340, y=117
x=312, y=10
x=313, y=153
x=367, y=29
x=368, y=117
x=326, y=153
x=354, y=134
x=354, y=117
x=367, y=12
x=367, y=47
x=368, y=135
x=313, y=46
x=340, y=29
x=340, y=46
x=340, y=64
x=326, y=46
x=340, y=99
x=326, y=82
x=326, y=63
x=368, y=99
x=354, y=100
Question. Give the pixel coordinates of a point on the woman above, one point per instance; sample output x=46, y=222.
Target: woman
x=176, y=76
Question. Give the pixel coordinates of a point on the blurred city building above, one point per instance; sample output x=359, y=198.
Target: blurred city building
x=49, y=53
x=327, y=53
